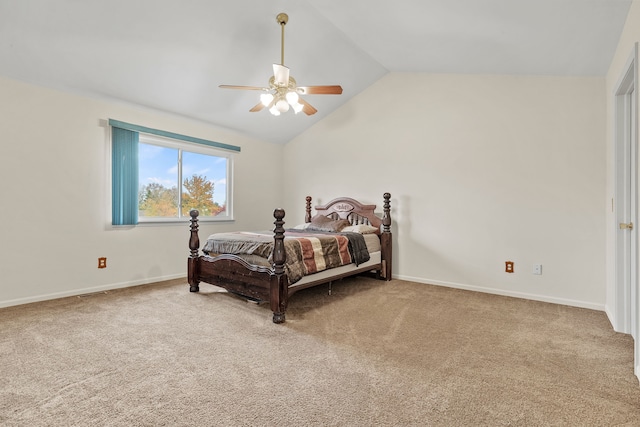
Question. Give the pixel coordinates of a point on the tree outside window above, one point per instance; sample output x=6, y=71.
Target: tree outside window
x=202, y=175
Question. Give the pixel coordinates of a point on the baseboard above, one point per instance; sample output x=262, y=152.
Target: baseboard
x=535, y=297
x=523, y=295
x=91, y=290
x=612, y=318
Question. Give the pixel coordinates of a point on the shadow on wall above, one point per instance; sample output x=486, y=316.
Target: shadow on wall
x=419, y=255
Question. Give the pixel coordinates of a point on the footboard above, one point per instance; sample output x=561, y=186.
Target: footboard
x=235, y=275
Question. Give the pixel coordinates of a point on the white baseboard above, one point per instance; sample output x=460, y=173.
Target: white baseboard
x=535, y=297
x=523, y=295
x=612, y=318
x=91, y=290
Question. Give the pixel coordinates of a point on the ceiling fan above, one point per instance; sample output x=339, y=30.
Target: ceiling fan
x=283, y=93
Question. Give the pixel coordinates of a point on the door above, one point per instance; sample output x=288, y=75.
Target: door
x=633, y=215
x=627, y=293
x=626, y=207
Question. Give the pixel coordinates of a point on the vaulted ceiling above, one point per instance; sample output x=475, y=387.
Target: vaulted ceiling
x=172, y=55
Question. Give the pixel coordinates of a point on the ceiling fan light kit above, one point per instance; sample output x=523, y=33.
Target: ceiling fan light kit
x=283, y=93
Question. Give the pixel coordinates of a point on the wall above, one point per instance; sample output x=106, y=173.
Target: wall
x=481, y=169
x=55, y=220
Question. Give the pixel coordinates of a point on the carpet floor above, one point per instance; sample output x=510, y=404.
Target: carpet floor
x=373, y=353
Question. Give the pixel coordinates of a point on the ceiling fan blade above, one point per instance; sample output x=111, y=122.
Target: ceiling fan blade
x=243, y=87
x=307, y=108
x=320, y=90
x=281, y=75
x=259, y=106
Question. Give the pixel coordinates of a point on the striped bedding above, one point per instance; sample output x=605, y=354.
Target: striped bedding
x=307, y=253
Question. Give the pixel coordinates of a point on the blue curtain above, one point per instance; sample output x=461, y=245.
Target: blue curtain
x=124, y=176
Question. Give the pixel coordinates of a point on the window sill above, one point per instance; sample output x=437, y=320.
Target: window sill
x=180, y=221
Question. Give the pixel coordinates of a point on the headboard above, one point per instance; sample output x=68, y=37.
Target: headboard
x=353, y=211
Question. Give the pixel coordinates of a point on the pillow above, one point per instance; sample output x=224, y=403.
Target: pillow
x=322, y=223
x=361, y=228
x=302, y=226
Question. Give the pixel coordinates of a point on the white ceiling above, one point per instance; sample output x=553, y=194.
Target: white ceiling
x=172, y=55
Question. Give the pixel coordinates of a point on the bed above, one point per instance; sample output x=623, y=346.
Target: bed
x=265, y=274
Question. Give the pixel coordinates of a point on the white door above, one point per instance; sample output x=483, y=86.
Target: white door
x=626, y=207
x=627, y=292
x=633, y=300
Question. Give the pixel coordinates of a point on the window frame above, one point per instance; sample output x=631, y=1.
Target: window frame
x=124, y=179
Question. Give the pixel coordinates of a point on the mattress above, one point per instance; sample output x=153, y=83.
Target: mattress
x=327, y=274
x=372, y=241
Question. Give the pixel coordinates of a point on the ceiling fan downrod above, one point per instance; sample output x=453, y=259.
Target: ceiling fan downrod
x=282, y=19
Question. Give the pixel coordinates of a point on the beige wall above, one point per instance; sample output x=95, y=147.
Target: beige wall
x=55, y=213
x=482, y=169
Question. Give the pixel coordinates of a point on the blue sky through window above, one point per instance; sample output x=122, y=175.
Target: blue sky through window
x=160, y=165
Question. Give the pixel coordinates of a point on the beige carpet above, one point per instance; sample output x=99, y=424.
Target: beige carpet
x=373, y=353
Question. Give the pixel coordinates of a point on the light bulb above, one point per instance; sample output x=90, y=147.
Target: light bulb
x=297, y=107
x=266, y=99
x=282, y=106
x=292, y=98
x=274, y=110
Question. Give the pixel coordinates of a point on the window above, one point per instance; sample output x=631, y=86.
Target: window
x=173, y=174
x=160, y=176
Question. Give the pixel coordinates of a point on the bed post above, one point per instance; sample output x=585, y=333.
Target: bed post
x=385, y=238
x=279, y=293
x=194, y=246
x=307, y=210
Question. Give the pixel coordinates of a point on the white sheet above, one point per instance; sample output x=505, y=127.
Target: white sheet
x=375, y=259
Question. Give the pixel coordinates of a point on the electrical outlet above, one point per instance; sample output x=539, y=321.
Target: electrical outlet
x=537, y=269
x=508, y=266
x=102, y=262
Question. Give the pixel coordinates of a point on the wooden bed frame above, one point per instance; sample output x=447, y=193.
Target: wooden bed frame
x=272, y=284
